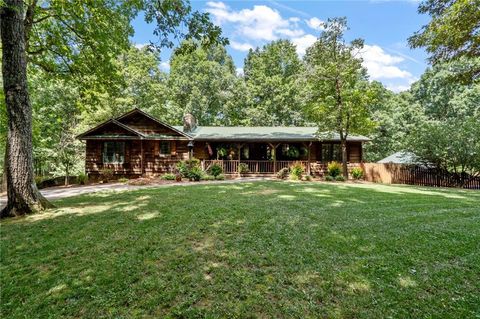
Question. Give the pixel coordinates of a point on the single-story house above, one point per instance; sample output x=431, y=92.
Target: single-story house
x=402, y=157
x=137, y=144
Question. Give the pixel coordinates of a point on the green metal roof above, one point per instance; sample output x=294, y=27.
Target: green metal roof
x=264, y=133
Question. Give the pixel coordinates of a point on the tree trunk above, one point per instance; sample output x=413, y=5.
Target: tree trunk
x=344, y=158
x=23, y=195
x=3, y=187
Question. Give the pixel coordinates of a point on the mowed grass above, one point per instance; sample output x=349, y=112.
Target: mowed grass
x=246, y=250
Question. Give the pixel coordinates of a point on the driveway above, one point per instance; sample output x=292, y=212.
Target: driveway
x=53, y=193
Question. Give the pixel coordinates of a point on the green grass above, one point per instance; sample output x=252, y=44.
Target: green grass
x=261, y=249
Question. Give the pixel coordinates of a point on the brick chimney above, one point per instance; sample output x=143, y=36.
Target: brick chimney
x=189, y=123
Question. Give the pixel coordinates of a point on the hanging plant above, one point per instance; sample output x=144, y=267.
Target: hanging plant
x=221, y=151
x=293, y=152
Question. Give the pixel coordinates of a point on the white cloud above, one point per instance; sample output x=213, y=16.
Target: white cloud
x=315, y=23
x=304, y=42
x=141, y=45
x=381, y=65
x=259, y=23
x=240, y=46
x=165, y=66
x=398, y=88
x=239, y=71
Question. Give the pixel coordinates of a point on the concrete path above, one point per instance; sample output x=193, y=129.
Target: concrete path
x=53, y=193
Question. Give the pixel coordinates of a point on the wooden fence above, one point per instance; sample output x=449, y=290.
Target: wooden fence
x=417, y=175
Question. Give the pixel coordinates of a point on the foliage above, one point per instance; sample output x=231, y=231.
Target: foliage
x=168, y=177
x=307, y=178
x=123, y=180
x=270, y=75
x=452, y=33
x=340, y=178
x=203, y=83
x=220, y=177
x=207, y=177
x=82, y=178
x=243, y=168
x=296, y=171
x=283, y=173
x=334, y=169
x=106, y=174
x=336, y=91
x=190, y=169
x=215, y=170
x=293, y=152
x=357, y=173
x=329, y=178
x=178, y=177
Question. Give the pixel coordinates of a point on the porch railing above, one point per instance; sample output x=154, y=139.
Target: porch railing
x=254, y=167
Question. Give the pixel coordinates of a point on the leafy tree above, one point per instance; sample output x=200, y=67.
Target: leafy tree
x=271, y=75
x=73, y=37
x=337, y=93
x=203, y=82
x=453, y=32
x=396, y=116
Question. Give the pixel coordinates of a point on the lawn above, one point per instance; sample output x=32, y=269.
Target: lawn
x=259, y=249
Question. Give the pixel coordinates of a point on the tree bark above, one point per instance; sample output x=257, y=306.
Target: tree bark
x=344, y=157
x=3, y=187
x=23, y=195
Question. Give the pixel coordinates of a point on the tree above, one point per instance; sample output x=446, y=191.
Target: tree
x=453, y=32
x=71, y=37
x=396, y=117
x=271, y=75
x=337, y=94
x=203, y=82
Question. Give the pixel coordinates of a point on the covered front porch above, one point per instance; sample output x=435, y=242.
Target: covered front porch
x=261, y=158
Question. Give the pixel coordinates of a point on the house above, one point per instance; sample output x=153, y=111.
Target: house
x=402, y=157
x=137, y=144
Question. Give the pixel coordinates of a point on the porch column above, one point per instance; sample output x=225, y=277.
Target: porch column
x=239, y=149
x=308, y=165
x=274, y=155
x=141, y=157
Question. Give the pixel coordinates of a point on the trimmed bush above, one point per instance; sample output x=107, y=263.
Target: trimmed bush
x=215, y=170
x=283, y=173
x=307, y=178
x=243, y=168
x=357, y=173
x=220, y=177
x=334, y=169
x=296, y=171
x=190, y=169
x=106, y=174
x=340, y=178
x=206, y=177
x=329, y=178
x=168, y=177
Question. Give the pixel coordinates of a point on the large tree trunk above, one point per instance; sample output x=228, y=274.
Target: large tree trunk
x=3, y=187
x=344, y=157
x=23, y=195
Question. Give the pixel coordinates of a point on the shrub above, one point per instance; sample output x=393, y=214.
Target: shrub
x=220, y=177
x=329, y=178
x=357, y=173
x=340, y=178
x=215, y=170
x=106, y=174
x=242, y=168
x=307, y=178
x=38, y=179
x=168, y=177
x=82, y=179
x=196, y=174
x=334, y=169
x=283, y=173
x=296, y=171
x=178, y=177
x=123, y=180
x=206, y=177
x=190, y=169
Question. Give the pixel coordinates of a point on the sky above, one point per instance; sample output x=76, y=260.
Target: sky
x=384, y=25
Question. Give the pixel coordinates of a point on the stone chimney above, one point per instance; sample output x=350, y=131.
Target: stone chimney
x=189, y=123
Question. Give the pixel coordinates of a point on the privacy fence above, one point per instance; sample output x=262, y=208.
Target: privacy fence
x=417, y=175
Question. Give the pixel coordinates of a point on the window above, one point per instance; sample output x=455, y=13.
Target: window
x=113, y=152
x=331, y=152
x=165, y=148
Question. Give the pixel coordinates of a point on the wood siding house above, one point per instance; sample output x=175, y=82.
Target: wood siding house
x=137, y=144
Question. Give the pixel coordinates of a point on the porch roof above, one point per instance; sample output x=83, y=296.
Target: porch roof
x=266, y=133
